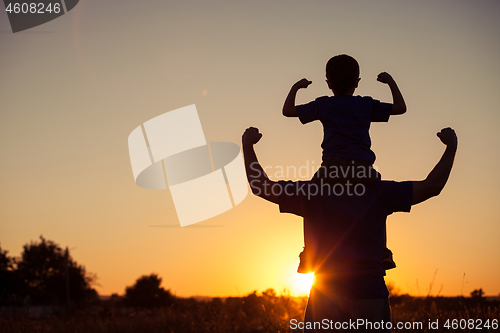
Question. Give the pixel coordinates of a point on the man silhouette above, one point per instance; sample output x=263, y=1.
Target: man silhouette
x=347, y=233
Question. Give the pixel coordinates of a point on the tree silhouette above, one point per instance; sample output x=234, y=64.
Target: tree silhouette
x=147, y=293
x=477, y=294
x=5, y=261
x=44, y=269
x=7, y=279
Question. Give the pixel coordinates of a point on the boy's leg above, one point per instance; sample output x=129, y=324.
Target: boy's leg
x=387, y=259
x=306, y=256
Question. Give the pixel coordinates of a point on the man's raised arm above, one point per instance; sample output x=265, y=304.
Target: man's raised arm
x=257, y=178
x=435, y=181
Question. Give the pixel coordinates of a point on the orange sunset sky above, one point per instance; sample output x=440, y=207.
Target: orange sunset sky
x=73, y=89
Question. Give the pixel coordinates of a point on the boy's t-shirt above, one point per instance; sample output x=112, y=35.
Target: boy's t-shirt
x=346, y=123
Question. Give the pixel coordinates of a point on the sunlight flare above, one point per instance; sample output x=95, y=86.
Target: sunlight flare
x=303, y=283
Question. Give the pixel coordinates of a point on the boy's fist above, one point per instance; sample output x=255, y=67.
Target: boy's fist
x=384, y=77
x=251, y=136
x=448, y=136
x=302, y=83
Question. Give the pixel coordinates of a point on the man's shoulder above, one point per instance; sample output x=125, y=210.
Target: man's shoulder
x=396, y=196
x=295, y=197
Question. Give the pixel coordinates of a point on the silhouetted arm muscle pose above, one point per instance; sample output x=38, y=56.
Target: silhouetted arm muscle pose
x=262, y=186
x=289, y=109
x=437, y=178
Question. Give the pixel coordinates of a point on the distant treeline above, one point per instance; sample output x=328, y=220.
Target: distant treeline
x=47, y=275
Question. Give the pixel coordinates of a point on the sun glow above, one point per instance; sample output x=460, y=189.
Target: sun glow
x=303, y=283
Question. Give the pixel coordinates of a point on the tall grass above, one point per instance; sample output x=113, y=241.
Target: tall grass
x=264, y=312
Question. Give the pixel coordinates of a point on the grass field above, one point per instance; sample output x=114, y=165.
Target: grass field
x=264, y=312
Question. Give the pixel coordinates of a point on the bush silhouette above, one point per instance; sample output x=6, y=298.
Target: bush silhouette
x=147, y=293
x=477, y=294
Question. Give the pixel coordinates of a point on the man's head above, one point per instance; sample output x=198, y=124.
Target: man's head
x=342, y=74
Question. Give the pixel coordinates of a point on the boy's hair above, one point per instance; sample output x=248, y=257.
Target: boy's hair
x=342, y=71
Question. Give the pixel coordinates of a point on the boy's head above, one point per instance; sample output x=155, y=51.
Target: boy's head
x=342, y=74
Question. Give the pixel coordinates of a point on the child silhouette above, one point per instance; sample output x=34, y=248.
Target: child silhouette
x=346, y=120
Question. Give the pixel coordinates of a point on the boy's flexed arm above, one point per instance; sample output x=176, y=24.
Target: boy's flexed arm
x=398, y=104
x=289, y=109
